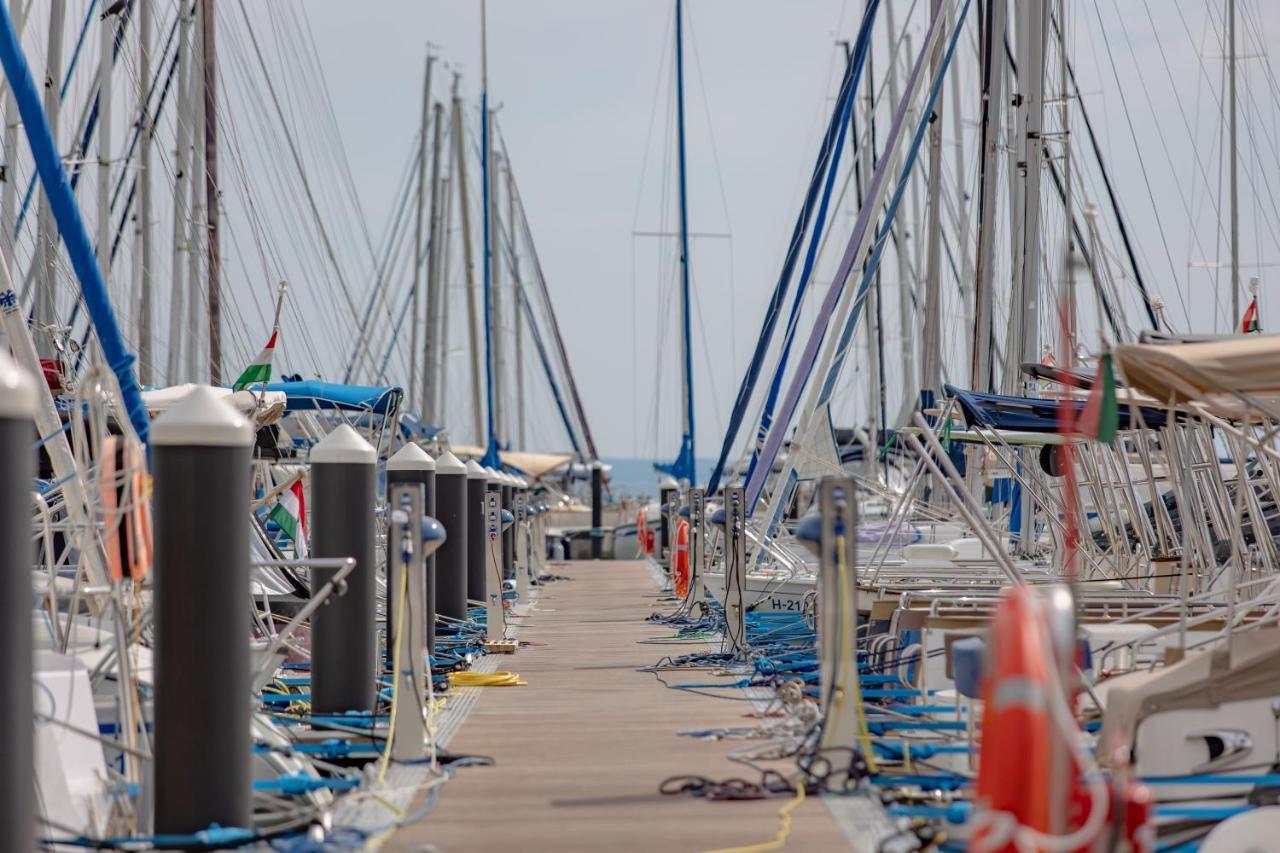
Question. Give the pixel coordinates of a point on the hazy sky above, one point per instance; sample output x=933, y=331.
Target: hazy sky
x=577, y=82
x=583, y=89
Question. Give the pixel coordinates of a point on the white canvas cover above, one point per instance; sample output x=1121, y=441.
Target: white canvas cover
x=1248, y=669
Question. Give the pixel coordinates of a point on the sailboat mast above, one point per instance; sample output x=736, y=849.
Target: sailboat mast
x=197, y=234
x=485, y=154
x=1064, y=108
x=473, y=323
x=212, y=241
x=144, y=304
x=521, y=438
x=1235, y=198
x=993, y=60
x=415, y=402
x=685, y=462
x=106, y=44
x=432, y=398
x=902, y=231
x=501, y=428
x=1032, y=33
x=931, y=352
x=45, y=304
x=181, y=157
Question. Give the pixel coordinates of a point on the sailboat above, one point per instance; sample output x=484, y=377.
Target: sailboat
x=683, y=468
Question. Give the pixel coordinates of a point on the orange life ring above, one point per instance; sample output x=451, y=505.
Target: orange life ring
x=643, y=540
x=1014, y=765
x=681, y=573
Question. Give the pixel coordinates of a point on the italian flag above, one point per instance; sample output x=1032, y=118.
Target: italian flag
x=290, y=512
x=260, y=370
x=1101, y=416
x=1250, y=321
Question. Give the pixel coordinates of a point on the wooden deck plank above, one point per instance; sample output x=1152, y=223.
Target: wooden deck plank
x=581, y=750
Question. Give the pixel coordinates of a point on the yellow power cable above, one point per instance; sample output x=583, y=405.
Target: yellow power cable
x=485, y=679
x=784, y=827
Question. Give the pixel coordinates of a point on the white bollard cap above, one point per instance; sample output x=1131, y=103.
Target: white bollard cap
x=19, y=394
x=449, y=465
x=411, y=457
x=494, y=475
x=344, y=445
x=475, y=471
x=668, y=482
x=203, y=418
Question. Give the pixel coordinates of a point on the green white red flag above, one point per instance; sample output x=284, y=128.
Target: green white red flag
x=260, y=370
x=1101, y=416
x=290, y=512
x=1250, y=321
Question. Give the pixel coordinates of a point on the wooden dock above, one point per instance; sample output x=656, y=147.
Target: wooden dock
x=581, y=750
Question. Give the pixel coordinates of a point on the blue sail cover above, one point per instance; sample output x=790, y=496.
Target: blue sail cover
x=1030, y=414
x=312, y=394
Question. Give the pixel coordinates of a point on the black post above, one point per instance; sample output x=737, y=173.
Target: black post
x=668, y=488
x=451, y=559
x=597, y=510
x=201, y=461
x=18, y=402
x=412, y=464
x=477, y=484
x=344, y=639
x=507, y=484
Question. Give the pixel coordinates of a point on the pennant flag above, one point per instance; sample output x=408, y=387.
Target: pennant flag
x=1101, y=416
x=1250, y=321
x=260, y=370
x=290, y=512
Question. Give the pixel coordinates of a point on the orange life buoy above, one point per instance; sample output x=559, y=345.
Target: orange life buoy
x=642, y=533
x=1014, y=764
x=681, y=573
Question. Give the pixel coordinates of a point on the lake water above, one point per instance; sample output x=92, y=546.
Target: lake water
x=632, y=477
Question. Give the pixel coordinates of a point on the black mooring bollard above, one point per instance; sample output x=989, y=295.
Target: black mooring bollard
x=412, y=464
x=477, y=485
x=668, y=489
x=451, y=559
x=507, y=487
x=344, y=639
x=597, y=510
x=18, y=400
x=201, y=461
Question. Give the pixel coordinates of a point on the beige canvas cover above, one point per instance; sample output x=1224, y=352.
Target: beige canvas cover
x=1206, y=372
x=1248, y=669
x=534, y=464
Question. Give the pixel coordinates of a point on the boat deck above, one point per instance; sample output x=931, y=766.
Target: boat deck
x=581, y=749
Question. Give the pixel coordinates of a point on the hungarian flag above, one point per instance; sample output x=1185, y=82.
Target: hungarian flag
x=290, y=512
x=1101, y=416
x=260, y=370
x=1250, y=321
